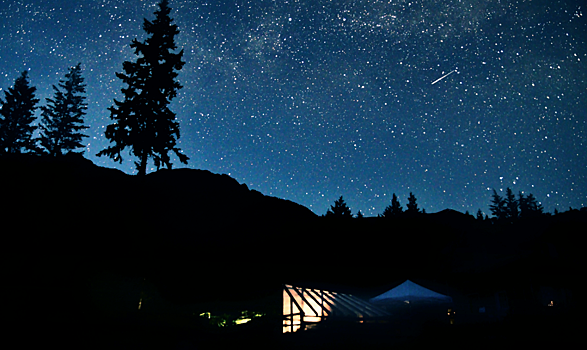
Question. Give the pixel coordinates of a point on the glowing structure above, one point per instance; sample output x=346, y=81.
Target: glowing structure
x=303, y=308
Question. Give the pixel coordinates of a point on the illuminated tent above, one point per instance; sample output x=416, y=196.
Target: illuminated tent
x=304, y=308
x=412, y=302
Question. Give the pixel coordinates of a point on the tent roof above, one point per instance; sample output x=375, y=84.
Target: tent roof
x=410, y=291
x=334, y=304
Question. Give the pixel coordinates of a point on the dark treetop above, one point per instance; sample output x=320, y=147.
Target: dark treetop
x=16, y=123
x=143, y=121
x=63, y=116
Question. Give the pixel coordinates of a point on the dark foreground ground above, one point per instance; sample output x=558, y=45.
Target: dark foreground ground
x=521, y=332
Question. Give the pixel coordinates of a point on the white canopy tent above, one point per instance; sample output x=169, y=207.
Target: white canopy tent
x=410, y=292
x=410, y=304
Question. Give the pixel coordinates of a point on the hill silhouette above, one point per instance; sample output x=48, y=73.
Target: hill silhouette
x=185, y=221
x=67, y=202
x=199, y=237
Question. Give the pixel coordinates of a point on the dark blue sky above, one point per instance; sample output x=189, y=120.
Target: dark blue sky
x=311, y=100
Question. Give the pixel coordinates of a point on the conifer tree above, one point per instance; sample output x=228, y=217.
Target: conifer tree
x=62, y=121
x=17, y=117
x=498, y=206
x=394, y=209
x=511, y=205
x=534, y=208
x=523, y=205
x=479, y=215
x=143, y=120
x=339, y=209
x=412, y=206
x=529, y=207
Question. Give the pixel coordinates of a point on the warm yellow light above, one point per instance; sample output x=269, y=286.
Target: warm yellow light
x=242, y=321
x=140, y=302
x=312, y=319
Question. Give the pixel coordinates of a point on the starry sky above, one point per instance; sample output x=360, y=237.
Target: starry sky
x=310, y=100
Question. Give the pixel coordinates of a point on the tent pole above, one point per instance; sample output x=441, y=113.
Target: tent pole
x=291, y=314
x=302, y=314
x=322, y=303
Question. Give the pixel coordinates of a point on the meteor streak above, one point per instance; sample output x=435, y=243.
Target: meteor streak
x=442, y=77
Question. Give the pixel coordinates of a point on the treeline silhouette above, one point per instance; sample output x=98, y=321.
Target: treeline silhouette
x=503, y=209
x=341, y=210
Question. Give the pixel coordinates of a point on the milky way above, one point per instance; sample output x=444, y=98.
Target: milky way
x=311, y=100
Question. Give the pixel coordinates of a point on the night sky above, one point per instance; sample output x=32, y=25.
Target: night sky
x=311, y=100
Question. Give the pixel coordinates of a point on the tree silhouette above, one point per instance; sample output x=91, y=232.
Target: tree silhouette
x=394, y=209
x=511, y=205
x=529, y=207
x=63, y=116
x=17, y=117
x=412, y=206
x=479, y=215
x=535, y=207
x=498, y=206
x=339, y=209
x=359, y=215
x=143, y=120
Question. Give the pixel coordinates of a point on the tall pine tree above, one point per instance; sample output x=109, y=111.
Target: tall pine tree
x=17, y=117
x=523, y=205
x=143, y=121
x=498, y=206
x=536, y=209
x=339, y=209
x=393, y=210
x=412, y=206
x=62, y=121
x=511, y=204
x=529, y=207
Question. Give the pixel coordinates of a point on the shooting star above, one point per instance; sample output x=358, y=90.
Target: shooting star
x=442, y=77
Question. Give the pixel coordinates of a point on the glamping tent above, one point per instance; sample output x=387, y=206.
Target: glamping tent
x=410, y=301
x=410, y=292
x=304, y=308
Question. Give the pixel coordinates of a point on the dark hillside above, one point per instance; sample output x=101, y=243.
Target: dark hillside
x=81, y=243
x=194, y=234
